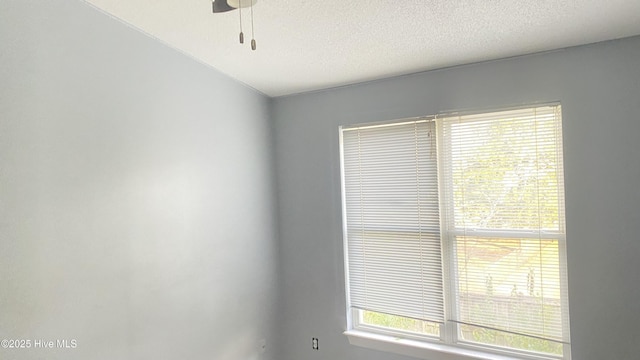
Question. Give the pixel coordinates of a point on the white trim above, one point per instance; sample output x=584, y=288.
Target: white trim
x=417, y=349
x=416, y=120
x=508, y=233
x=345, y=245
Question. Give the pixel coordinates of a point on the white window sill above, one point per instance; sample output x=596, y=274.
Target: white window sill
x=417, y=349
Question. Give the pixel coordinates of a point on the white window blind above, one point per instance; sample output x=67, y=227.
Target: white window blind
x=392, y=220
x=505, y=217
x=459, y=220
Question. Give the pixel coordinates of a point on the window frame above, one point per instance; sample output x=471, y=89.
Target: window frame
x=449, y=344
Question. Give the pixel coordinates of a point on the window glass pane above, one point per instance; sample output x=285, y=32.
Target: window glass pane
x=507, y=340
x=510, y=284
x=400, y=323
x=506, y=170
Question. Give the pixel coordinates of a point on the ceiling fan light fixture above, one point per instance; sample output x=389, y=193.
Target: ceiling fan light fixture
x=220, y=6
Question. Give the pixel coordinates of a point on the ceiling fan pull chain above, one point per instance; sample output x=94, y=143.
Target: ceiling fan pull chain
x=253, y=40
x=240, y=13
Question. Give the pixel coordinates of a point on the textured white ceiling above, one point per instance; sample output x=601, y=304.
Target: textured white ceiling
x=306, y=45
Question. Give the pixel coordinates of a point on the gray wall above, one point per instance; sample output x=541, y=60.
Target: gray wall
x=599, y=88
x=136, y=199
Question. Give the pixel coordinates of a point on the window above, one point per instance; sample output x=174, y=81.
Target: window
x=454, y=232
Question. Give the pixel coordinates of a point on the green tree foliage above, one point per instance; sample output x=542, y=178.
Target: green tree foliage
x=507, y=177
